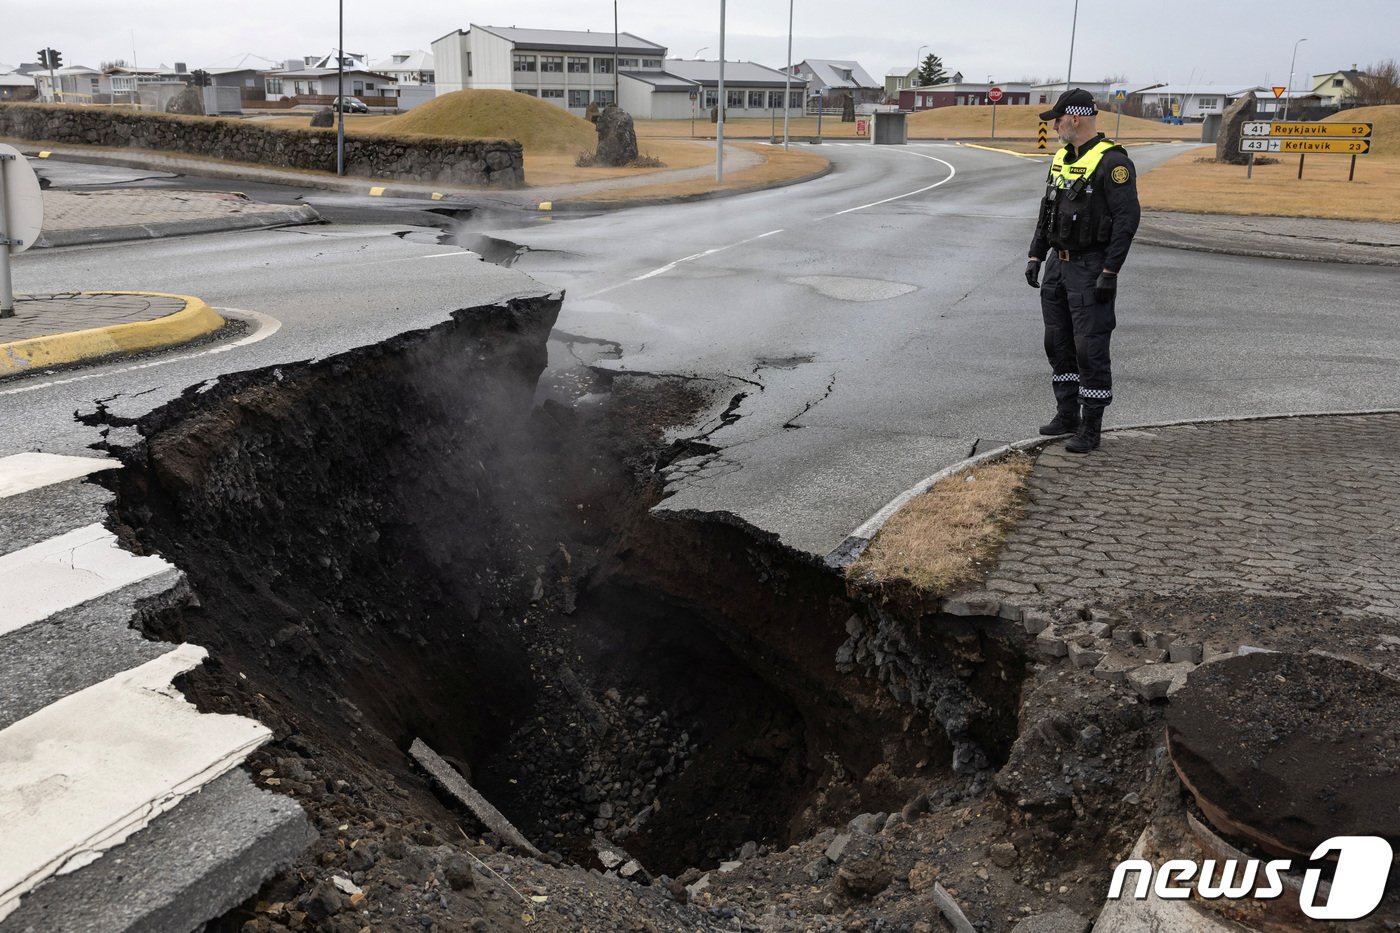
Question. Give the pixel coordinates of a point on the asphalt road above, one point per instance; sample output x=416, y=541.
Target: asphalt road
x=877, y=320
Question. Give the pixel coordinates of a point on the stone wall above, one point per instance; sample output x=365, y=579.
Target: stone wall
x=495, y=163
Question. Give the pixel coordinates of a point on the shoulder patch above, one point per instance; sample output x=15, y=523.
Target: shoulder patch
x=1120, y=175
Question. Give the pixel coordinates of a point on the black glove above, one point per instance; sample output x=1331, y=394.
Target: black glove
x=1106, y=287
x=1033, y=273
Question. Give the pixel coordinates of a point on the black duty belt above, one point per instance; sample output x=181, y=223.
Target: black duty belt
x=1067, y=254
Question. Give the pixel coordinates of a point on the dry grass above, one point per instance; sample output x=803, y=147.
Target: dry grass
x=1022, y=121
x=558, y=168
x=746, y=128
x=778, y=166
x=301, y=120
x=1194, y=182
x=1385, y=130
x=949, y=536
x=539, y=126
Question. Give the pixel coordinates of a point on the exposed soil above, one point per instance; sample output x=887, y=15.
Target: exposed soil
x=404, y=542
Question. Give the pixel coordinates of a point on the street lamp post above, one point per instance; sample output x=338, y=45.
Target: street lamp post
x=699, y=50
x=1289, y=91
x=918, y=62
x=787, y=81
x=340, y=91
x=1073, y=26
x=719, y=122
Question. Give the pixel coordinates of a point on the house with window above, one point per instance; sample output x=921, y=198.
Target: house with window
x=1189, y=102
x=16, y=86
x=899, y=79
x=832, y=82
x=1336, y=86
x=568, y=68
x=320, y=85
x=412, y=68
x=750, y=90
x=962, y=94
x=76, y=84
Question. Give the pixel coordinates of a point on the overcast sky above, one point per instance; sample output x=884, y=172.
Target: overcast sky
x=1184, y=41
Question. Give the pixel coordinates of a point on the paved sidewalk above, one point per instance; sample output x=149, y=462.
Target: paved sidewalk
x=51, y=330
x=1351, y=241
x=138, y=213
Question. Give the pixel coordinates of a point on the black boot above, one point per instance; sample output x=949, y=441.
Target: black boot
x=1087, y=438
x=1066, y=422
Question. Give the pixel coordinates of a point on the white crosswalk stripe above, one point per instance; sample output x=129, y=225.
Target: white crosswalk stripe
x=84, y=773
x=29, y=471
x=94, y=767
x=66, y=571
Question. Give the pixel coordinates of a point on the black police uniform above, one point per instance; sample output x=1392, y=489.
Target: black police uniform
x=1085, y=229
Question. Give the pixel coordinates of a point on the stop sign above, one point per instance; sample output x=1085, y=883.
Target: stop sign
x=994, y=94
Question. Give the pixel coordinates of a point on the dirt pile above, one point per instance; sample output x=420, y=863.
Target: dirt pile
x=537, y=125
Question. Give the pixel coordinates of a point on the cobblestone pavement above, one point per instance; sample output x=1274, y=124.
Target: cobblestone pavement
x=46, y=315
x=1295, y=507
x=84, y=210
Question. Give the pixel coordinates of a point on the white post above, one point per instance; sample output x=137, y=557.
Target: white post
x=1073, y=25
x=1288, y=91
x=719, y=122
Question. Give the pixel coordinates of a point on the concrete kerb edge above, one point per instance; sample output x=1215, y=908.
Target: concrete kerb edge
x=1240, y=250
x=567, y=206
x=287, y=217
x=194, y=320
x=844, y=554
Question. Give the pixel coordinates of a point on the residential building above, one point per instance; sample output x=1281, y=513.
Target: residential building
x=411, y=68
x=1049, y=93
x=74, y=84
x=898, y=80
x=1189, y=102
x=306, y=84
x=750, y=90
x=830, y=83
x=568, y=68
x=16, y=86
x=962, y=94
x=1335, y=87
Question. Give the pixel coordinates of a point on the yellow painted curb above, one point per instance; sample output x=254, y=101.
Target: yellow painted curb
x=1019, y=155
x=196, y=320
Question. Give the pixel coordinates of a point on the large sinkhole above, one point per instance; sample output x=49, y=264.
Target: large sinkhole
x=412, y=541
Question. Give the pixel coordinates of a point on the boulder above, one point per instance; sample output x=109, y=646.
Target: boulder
x=323, y=117
x=617, y=138
x=190, y=101
x=1227, y=144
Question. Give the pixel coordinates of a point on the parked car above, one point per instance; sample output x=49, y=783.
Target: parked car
x=352, y=105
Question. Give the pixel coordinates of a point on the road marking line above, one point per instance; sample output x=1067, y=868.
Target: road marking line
x=662, y=270
x=267, y=326
x=81, y=775
x=952, y=172
x=376, y=192
x=64, y=572
x=460, y=252
x=24, y=472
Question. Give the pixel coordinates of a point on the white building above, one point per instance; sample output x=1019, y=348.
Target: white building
x=750, y=90
x=569, y=69
x=410, y=68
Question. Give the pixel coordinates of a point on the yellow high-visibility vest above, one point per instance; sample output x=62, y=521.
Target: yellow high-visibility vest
x=1063, y=175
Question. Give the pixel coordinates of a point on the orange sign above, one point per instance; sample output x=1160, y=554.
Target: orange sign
x=1278, y=91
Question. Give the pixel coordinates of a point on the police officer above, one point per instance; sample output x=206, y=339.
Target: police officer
x=1086, y=224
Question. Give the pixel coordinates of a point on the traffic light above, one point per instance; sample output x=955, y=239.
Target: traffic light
x=44, y=57
x=50, y=58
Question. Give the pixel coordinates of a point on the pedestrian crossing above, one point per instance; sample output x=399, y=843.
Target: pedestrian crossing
x=96, y=744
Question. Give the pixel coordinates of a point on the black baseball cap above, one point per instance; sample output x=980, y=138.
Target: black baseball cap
x=1076, y=102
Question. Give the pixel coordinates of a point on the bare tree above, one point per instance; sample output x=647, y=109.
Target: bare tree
x=1377, y=85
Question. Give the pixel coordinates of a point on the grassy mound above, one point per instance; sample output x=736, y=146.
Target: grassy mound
x=538, y=126
x=1022, y=121
x=1385, y=134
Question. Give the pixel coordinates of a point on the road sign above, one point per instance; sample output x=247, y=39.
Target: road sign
x=1338, y=146
x=860, y=127
x=1120, y=95
x=1349, y=130
x=24, y=204
x=21, y=217
x=1040, y=135
x=994, y=94
x=1278, y=91
x=1176, y=108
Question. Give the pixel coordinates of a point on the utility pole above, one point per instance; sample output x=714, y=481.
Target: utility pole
x=1288, y=92
x=719, y=122
x=340, y=95
x=1073, y=26
x=615, y=78
x=787, y=81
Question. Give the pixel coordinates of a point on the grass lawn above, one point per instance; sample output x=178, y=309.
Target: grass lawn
x=777, y=166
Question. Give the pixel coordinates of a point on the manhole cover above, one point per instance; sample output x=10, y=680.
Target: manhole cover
x=1288, y=750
